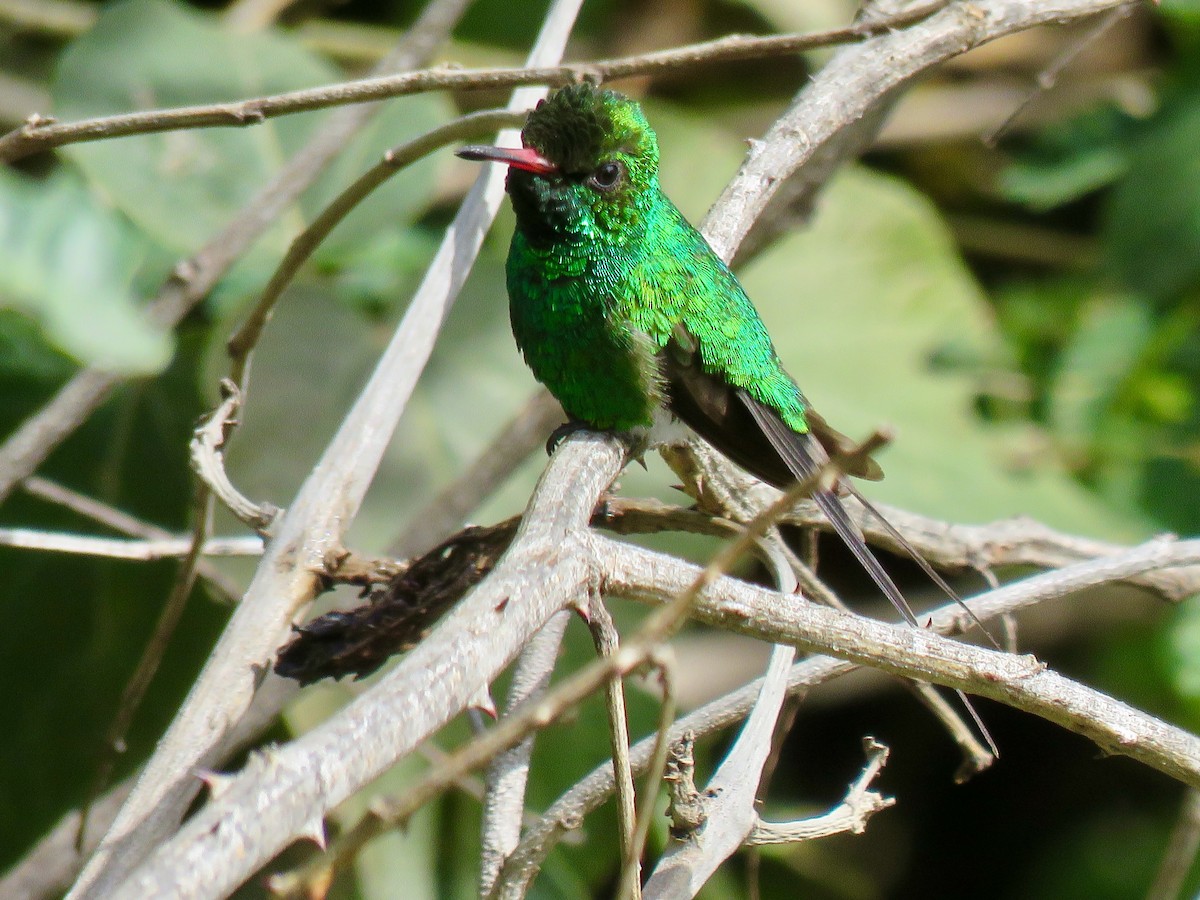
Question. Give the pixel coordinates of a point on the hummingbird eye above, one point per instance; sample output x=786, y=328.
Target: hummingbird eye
x=607, y=175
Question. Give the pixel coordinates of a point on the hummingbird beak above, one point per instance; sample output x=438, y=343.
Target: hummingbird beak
x=519, y=158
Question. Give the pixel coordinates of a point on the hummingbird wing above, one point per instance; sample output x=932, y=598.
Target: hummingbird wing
x=755, y=437
x=804, y=457
x=709, y=405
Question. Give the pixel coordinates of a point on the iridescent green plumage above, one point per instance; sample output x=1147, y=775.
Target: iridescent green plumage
x=600, y=281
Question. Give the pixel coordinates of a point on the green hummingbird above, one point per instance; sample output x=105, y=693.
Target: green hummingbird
x=623, y=310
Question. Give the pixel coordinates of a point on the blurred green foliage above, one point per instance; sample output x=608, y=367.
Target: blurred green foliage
x=1019, y=383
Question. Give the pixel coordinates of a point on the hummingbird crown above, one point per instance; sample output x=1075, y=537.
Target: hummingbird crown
x=579, y=126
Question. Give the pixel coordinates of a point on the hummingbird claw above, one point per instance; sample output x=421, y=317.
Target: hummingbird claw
x=562, y=432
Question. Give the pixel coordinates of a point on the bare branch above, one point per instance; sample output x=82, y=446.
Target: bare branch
x=730, y=812
x=504, y=797
x=850, y=815
x=117, y=548
x=208, y=462
x=1019, y=681
x=608, y=641
x=38, y=134
x=568, y=811
x=53, y=863
x=152, y=655
x=1019, y=541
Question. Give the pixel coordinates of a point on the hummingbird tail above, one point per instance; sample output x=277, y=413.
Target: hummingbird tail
x=847, y=529
x=921, y=561
x=804, y=456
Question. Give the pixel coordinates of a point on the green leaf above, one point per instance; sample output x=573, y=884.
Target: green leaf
x=1069, y=160
x=860, y=305
x=1183, y=12
x=69, y=263
x=1105, y=347
x=181, y=188
x=1043, y=187
x=1152, y=221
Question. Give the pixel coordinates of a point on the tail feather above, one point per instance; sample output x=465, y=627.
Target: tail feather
x=921, y=561
x=847, y=529
x=804, y=457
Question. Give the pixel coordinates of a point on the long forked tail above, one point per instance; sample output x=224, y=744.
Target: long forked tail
x=916, y=556
x=847, y=529
x=799, y=452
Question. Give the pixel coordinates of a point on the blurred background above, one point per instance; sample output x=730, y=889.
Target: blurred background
x=1023, y=306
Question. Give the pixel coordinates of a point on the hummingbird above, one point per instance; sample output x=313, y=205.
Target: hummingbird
x=631, y=320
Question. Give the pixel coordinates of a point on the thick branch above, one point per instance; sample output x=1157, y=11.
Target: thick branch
x=230, y=838
x=327, y=502
x=1019, y=681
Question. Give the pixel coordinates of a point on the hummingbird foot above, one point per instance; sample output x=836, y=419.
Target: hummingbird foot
x=564, y=431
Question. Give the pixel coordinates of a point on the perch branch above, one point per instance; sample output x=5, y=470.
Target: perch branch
x=569, y=810
x=504, y=794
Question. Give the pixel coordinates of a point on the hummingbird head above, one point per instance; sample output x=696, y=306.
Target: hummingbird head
x=587, y=168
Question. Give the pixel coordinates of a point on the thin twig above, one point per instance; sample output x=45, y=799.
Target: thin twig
x=1048, y=77
x=850, y=815
x=152, y=655
x=607, y=642
x=208, y=462
x=1019, y=541
x=508, y=774
x=37, y=135
x=170, y=547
